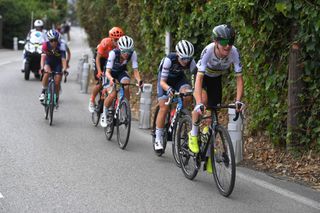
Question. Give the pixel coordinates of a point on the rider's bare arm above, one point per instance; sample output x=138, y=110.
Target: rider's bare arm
x=239, y=87
x=98, y=65
x=198, y=87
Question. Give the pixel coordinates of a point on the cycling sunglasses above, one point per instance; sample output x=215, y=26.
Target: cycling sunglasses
x=53, y=40
x=186, y=59
x=126, y=51
x=224, y=42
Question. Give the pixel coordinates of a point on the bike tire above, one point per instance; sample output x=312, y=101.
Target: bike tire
x=26, y=71
x=123, y=120
x=188, y=160
x=183, y=112
x=108, y=131
x=51, y=102
x=95, y=116
x=223, y=163
x=46, y=107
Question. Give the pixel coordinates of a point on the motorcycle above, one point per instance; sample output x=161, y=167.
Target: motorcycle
x=32, y=54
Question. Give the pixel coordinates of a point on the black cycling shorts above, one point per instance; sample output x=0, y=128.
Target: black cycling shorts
x=213, y=86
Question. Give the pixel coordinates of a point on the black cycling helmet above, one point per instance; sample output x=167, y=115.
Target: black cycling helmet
x=224, y=31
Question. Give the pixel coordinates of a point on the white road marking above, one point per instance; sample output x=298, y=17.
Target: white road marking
x=1, y=196
x=284, y=192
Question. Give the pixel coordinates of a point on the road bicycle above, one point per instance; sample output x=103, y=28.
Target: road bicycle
x=171, y=123
x=119, y=115
x=50, y=99
x=214, y=143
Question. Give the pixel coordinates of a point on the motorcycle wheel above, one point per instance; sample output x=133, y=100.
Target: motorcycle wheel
x=26, y=71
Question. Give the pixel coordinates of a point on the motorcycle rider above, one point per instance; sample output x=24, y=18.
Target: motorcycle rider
x=34, y=34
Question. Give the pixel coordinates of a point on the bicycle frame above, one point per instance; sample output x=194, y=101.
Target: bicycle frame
x=214, y=123
x=178, y=98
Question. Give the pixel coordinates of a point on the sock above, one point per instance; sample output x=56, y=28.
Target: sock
x=194, y=130
x=159, y=133
x=92, y=98
x=44, y=89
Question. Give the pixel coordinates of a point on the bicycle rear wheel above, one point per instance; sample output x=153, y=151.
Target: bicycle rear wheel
x=123, y=123
x=223, y=161
x=51, y=102
x=188, y=160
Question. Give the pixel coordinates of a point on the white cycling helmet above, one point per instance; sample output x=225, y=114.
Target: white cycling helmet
x=53, y=34
x=184, y=49
x=38, y=23
x=125, y=43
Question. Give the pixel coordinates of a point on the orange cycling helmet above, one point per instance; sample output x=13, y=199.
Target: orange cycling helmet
x=116, y=32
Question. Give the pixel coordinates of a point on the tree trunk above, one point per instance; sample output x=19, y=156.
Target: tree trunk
x=296, y=86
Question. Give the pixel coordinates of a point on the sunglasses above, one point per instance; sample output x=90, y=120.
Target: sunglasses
x=53, y=40
x=224, y=42
x=186, y=59
x=126, y=51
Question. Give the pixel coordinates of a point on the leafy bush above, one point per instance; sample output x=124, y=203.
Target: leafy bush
x=265, y=33
x=16, y=16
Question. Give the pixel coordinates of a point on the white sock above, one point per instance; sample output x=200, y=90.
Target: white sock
x=194, y=130
x=159, y=133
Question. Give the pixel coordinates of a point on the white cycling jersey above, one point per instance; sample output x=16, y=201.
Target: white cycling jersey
x=212, y=66
x=114, y=61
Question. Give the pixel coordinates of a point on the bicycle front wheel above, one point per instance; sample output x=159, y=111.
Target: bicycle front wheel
x=188, y=160
x=183, y=113
x=51, y=102
x=223, y=161
x=95, y=116
x=123, y=123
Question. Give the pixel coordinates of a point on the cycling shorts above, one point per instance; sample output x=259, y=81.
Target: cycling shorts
x=119, y=76
x=177, y=84
x=55, y=67
x=213, y=87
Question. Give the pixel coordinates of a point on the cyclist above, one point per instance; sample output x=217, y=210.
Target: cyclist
x=216, y=59
x=53, y=59
x=100, y=59
x=171, y=78
x=36, y=34
x=116, y=69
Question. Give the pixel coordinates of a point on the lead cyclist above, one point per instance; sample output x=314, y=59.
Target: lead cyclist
x=216, y=59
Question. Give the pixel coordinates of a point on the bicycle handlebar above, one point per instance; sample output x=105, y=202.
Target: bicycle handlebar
x=181, y=95
x=126, y=84
x=231, y=106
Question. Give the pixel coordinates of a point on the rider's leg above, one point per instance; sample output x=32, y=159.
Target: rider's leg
x=57, y=81
x=95, y=91
x=195, y=115
x=188, y=99
x=125, y=79
x=45, y=80
x=161, y=117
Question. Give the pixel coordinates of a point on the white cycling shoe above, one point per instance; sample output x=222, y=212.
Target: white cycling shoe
x=91, y=107
x=41, y=97
x=158, y=145
x=103, y=120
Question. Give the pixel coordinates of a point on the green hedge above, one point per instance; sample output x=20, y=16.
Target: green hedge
x=264, y=36
x=16, y=16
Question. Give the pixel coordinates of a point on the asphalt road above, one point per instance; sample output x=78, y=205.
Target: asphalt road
x=70, y=167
